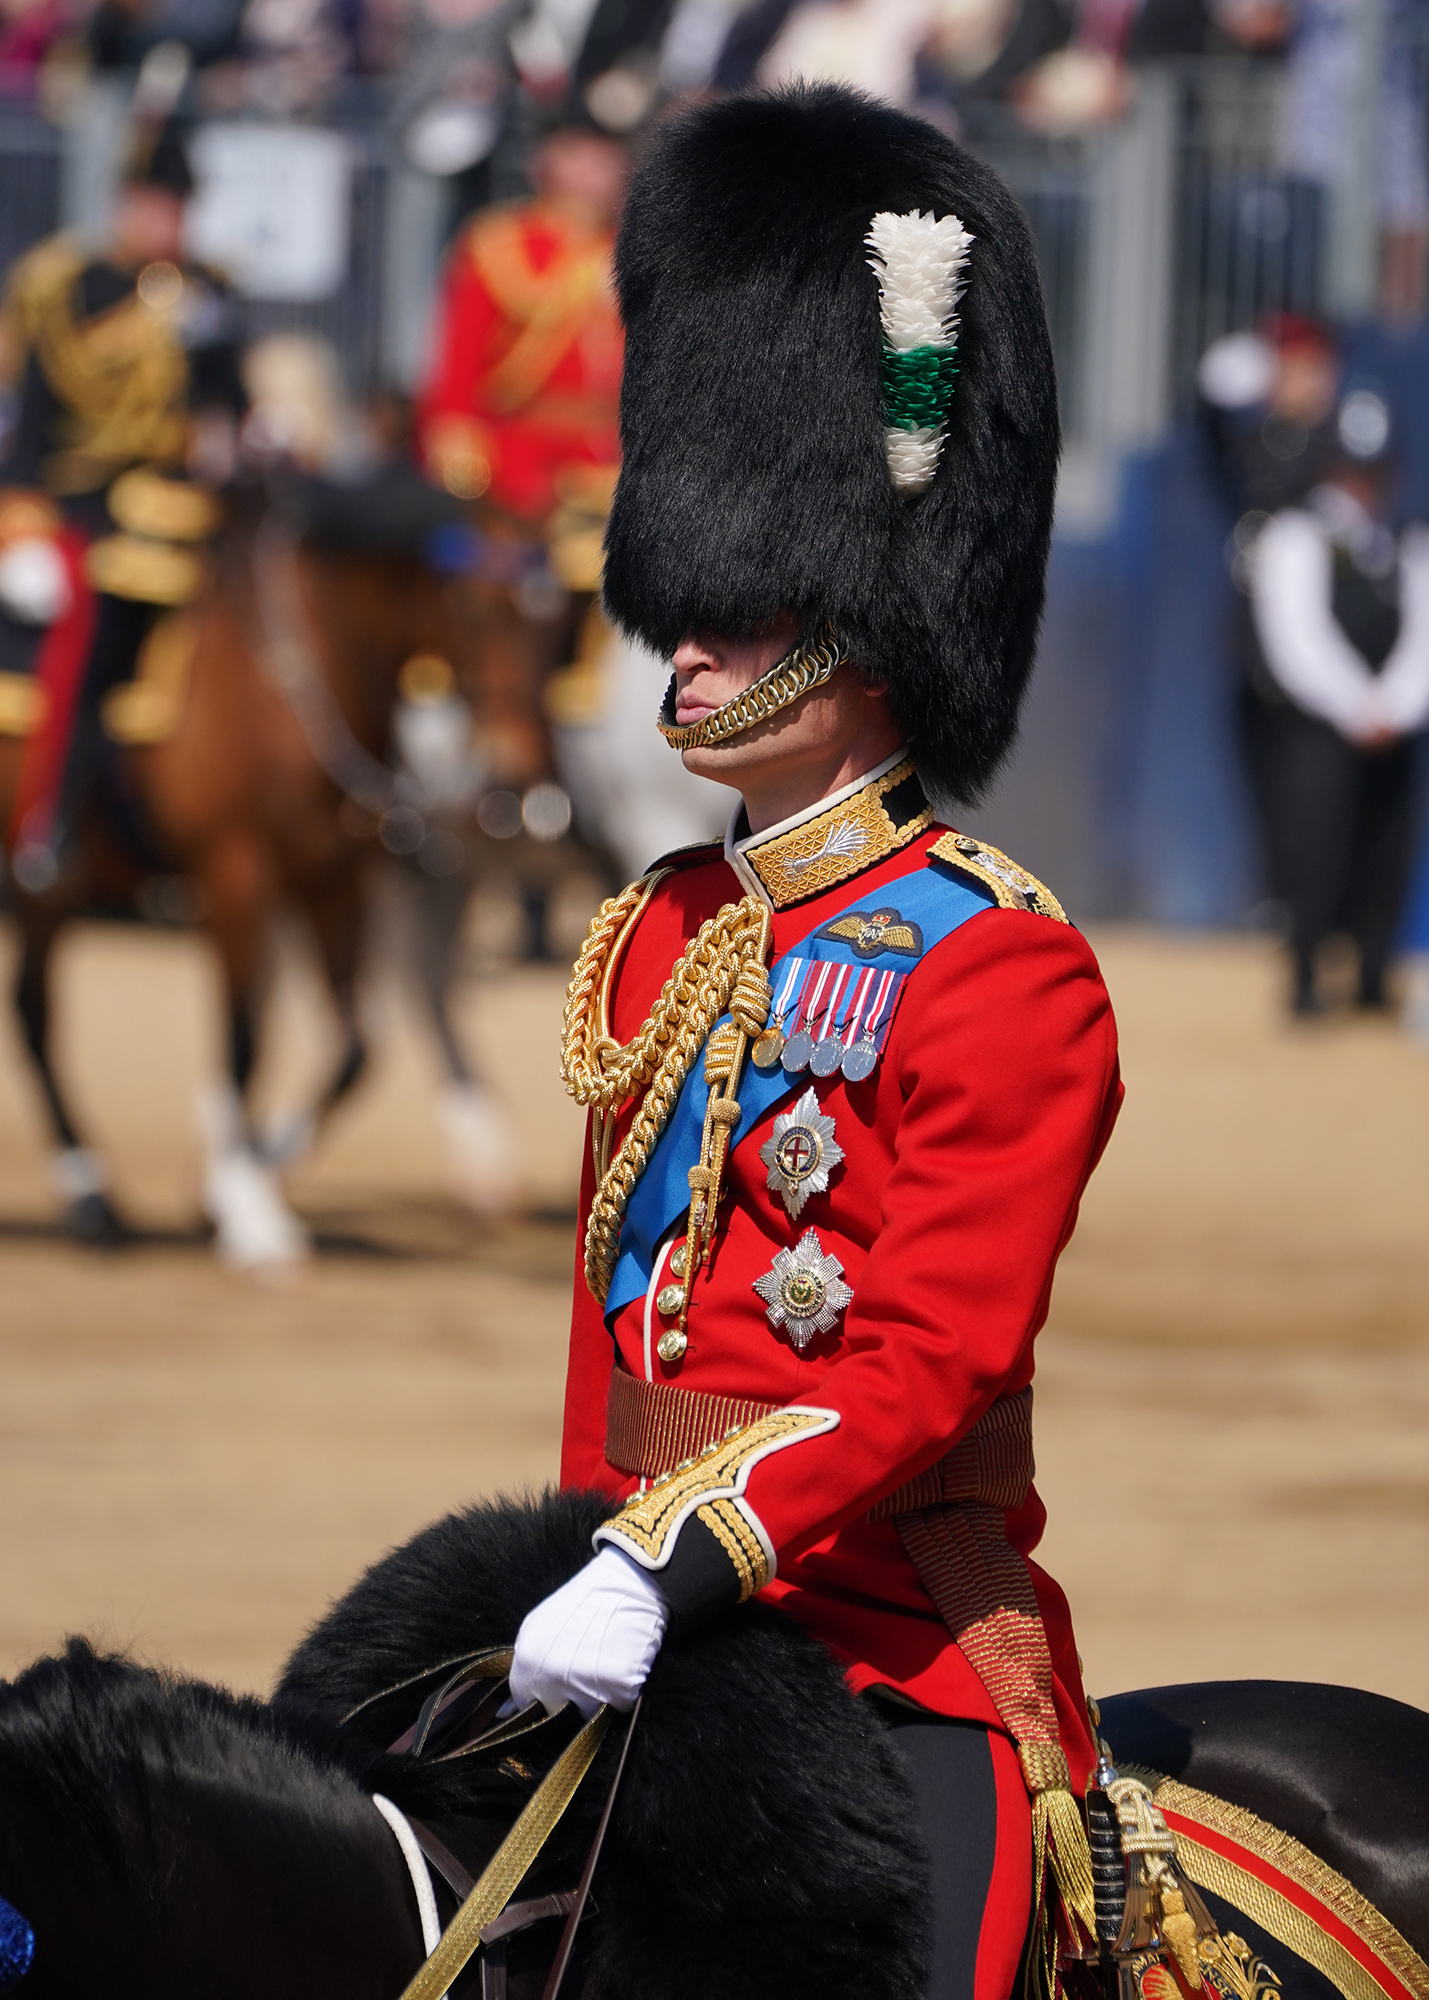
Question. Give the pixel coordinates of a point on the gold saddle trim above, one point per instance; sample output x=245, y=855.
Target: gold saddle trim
x=1276, y=1915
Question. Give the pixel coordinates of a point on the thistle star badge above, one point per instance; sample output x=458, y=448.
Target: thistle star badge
x=801, y=1153
x=804, y=1292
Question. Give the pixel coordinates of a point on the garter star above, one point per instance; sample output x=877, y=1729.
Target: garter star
x=801, y=1153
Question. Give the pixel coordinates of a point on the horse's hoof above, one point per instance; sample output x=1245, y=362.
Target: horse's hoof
x=82, y=1177
x=254, y=1227
x=93, y=1219
x=286, y=1138
x=480, y=1145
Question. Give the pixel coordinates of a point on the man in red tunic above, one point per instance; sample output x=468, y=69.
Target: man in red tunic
x=525, y=378
x=848, y=1074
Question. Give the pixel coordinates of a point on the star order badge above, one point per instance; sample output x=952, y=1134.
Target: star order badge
x=804, y=1291
x=801, y=1152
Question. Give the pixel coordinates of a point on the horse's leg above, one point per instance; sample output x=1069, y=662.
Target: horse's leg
x=254, y=1225
x=480, y=1143
x=79, y=1173
x=334, y=909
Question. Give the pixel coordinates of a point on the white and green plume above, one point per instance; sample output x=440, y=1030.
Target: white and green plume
x=921, y=264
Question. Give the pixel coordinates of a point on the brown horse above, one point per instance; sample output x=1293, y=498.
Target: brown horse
x=271, y=787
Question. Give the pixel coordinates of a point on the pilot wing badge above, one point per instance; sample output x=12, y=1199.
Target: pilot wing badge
x=870, y=932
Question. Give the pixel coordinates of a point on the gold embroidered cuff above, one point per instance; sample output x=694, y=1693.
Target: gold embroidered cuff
x=711, y=1488
x=739, y=1542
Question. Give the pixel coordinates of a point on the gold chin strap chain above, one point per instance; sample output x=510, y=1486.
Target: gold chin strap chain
x=809, y=665
x=722, y=970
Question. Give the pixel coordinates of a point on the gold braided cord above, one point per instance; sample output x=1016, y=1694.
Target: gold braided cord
x=720, y=970
x=511, y=1862
x=809, y=665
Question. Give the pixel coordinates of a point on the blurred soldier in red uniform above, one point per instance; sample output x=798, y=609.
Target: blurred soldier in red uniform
x=526, y=376
x=849, y=1072
x=520, y=413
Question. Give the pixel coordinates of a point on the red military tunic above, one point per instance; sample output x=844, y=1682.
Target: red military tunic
x=965, y=1156
x=525, y=378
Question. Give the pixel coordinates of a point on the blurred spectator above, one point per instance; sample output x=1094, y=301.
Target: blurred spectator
x=290, y=55
x=29, y=29
x=455, y=83
x=1340, y=612
x=1267, y=403
x=1061, y=63
x=122, y=32
x=1324, y=97
x=528, y=350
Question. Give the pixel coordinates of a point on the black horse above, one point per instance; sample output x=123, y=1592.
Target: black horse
x=164, y=1838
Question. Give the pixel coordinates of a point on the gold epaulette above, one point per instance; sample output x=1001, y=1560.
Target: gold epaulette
x=1013, y=887
x=44, y=274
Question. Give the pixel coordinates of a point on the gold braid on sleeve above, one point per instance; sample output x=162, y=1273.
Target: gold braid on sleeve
x=722, y=970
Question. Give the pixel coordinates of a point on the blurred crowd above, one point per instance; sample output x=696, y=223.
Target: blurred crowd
x=1058, y=65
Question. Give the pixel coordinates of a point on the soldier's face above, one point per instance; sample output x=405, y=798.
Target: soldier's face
x=847, y=721
x=149, y=226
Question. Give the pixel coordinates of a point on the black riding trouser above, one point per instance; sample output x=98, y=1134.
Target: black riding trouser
x=956, y=1792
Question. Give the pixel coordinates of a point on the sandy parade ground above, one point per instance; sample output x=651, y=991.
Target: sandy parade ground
x=1232, y=1395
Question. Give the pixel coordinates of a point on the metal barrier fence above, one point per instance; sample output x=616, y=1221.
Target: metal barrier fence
x=1154, y=238
x=29, y=182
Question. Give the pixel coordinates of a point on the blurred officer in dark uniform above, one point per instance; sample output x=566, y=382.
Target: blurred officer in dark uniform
x=1267, y=408
x=1339, y=684
x=129, y=394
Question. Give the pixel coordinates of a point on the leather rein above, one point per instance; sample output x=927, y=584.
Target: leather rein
x=458, y=1717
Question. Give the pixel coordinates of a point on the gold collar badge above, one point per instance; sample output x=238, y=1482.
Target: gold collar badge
x=832, y=846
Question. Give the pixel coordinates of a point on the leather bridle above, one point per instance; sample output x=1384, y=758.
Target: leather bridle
x=458, y=1717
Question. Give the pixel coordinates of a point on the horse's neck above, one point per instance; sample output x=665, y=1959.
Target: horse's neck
x=361, y=627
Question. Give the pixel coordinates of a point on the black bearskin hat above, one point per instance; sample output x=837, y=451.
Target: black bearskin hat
x=159, y=158
x=754, y=412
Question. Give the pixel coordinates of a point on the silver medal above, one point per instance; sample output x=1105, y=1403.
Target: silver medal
x=827, y=1056
x=798, y=1050
x=860, y=1061
x=801, y=1152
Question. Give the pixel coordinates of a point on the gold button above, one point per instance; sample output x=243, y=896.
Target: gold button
x=679, y=1256
x=672, y=1344
x=669, y=1298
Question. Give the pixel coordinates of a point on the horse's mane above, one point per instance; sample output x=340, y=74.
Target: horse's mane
x=92, y=1744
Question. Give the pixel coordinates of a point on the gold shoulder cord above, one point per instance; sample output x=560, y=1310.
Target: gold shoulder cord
x=722, y=970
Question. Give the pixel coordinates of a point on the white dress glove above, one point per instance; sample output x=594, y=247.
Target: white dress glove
x=594, y=1640
x=34, y=583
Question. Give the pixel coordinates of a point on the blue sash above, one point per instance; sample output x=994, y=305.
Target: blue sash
x=932, y=898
